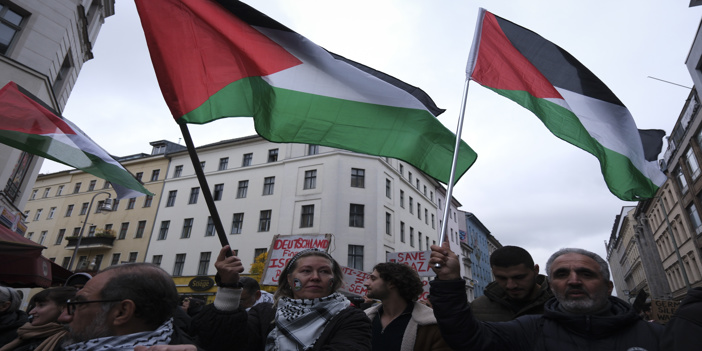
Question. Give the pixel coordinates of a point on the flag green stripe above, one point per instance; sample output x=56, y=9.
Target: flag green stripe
x=50, y=148
x=283, y=115
x=622, y=177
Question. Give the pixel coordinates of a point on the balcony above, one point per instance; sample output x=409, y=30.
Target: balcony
x=91, y=242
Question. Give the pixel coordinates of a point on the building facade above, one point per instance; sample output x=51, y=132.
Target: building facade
x=482, y=245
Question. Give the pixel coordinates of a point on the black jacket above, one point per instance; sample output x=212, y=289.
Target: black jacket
x=554, y=330
x=9, y=322
x=494, y=306
x=684, y=331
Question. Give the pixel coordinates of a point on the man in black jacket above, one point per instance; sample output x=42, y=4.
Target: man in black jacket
x=581, y=316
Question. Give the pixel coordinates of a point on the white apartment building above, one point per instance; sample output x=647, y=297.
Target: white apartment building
x=370, y=205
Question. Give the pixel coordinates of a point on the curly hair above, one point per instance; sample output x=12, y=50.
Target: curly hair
x=403, y=277
x=284, y=288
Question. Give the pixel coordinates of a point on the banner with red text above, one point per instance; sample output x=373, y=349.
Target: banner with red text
x=353, y=282
x=284, y=247
x=419, y=260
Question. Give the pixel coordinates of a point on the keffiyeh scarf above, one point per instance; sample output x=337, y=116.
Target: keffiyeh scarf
x=160, y=336
x=299, y=322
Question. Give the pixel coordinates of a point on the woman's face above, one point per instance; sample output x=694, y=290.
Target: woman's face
x=45, y=312
x=312, y=278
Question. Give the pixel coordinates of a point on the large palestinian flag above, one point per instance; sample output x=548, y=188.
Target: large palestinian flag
x=27, y=125
x=216, y=59
x=569, y=99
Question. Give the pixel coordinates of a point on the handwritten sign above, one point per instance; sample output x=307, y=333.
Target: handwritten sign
x=284, y=247
x=663, y=310
x=419, y=260
x=353, y=281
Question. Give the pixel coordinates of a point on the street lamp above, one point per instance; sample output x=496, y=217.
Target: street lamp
x=107, y=206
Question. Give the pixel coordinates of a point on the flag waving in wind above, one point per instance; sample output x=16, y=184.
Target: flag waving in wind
x=27, y=125
x=569, y=99
x=216, y=59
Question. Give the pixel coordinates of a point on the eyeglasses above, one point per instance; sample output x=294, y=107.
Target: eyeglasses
x=71, y=305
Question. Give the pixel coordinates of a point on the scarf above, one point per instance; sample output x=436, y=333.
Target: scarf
x=50, y=332
x=160, y=336
x=299, y=322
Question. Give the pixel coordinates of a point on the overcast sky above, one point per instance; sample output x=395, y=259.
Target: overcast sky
x=527, y=187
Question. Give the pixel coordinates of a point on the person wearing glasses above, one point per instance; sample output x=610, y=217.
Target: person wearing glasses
x=124, y=306
x=11, y=316
x=43, y=333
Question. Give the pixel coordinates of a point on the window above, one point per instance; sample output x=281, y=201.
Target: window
x=411, y=238
x=312, y=149
x=417, y=183
x=356, y=216
x=147, y=200
x=91, y=185
x=130, y=204
x=123, y=231
x=106, y=185
x=178, y=266
x=426, y=216
x=141, y=226
x=246, y=160
x=204, y=263
x=310, y=179
x=268, y=185
x=411, y=204
x=177, y=173
x=692, y=164
x=694, y=219
x=388, y=188
x=108, y=227
x=34, y=194
x=59, y=237
x=115, y=205
x=66, y=261
x=358, y=178
x=76, y=231
x=242, y=189
x=419, y=211
x=139, y=175
x=431, y=196
x=264, y=221
x=388, y=223
x=76, y=188
x=307, y=216
x=210, y=229
x=52, y=211
x=259, y=252
x=115, y=259
x=30, y=234
x=46, y=192
x=99, y=206
x=218, y=190
x=402, y=232
x=156, y=259
x=63, y=72
x=91, y=230
x=154, y=174
x=425, y=190
x=433, y=225
x=42, y=237
x=133, y=256
x=38, y=214
x=202, y=165
x=171, y=198
x=194, y=194
x=98, y=262
x=402, y=198
x=237, y=223
x=187, y=228
x=10, y=22
x=356, y=257
x=163, y=232
x=272, y=155
x=682, y=182
x=223, y=162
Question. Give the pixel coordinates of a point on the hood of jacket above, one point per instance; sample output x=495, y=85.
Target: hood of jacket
x=421, y=314
x=593, y=326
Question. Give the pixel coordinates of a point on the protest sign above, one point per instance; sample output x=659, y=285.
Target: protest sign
x=284, y=247
x=662, y=310
x=353, y=281
x=419, y=260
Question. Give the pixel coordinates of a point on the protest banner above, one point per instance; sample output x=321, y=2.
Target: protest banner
x=353, y=282
x=419, y=260
x=284, y=247
x=663, y=310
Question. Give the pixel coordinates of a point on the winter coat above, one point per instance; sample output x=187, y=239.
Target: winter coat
x=220, y=330
x=684, y=330
x=422, y=332
x=9, y=322
x=554, y=330
x=493, y=306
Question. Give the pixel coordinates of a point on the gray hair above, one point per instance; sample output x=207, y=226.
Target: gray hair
x=604, y=267
x=11, y=295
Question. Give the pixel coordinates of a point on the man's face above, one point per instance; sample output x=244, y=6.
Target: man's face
x=377, y=289
x=578, y=285
x=89, y=321
x=248, y=299
x=517, y=281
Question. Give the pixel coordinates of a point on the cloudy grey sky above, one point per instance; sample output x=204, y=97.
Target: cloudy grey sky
x=528, y=187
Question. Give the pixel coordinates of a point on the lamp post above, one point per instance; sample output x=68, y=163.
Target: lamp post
x=107, y=206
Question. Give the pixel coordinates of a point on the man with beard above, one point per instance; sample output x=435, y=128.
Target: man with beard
x=122, y=307
x=399, y=322
x=581, y=316
x=518, y=288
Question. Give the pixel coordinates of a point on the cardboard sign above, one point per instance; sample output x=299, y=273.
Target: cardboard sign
x=419, y=260
x=353, y=281
x=284, y=247
x=663, y=310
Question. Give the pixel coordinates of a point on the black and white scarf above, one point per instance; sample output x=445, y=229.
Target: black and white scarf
x=160, y=336
x=299, y=322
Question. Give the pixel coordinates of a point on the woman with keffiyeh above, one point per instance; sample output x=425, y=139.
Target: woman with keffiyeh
x=309, y=312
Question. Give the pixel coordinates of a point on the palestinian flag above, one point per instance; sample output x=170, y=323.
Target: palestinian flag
x=27, y=125
x=216, y=59
x=569, y=99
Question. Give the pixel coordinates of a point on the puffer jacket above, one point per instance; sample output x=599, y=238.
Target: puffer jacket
x=494, y=306
x=684, y=331
x=554, y=330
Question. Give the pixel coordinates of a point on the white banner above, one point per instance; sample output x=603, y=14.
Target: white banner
x=353, y=281
x=284, y=247
x=419, y=260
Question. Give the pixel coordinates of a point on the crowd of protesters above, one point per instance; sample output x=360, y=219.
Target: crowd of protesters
x=136, y=306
